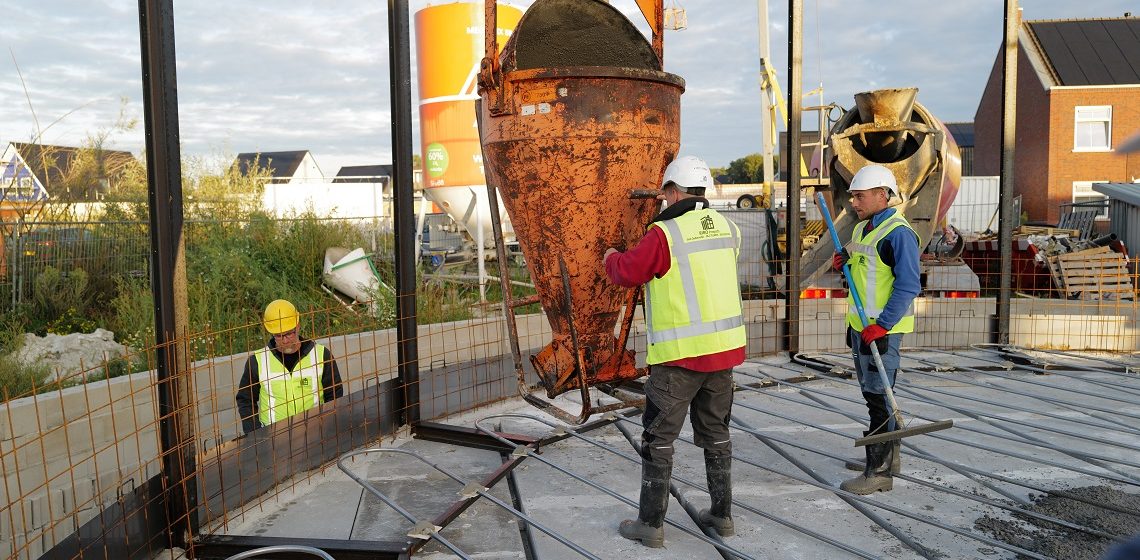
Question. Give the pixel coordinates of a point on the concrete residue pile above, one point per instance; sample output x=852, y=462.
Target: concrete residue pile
x=1060, y=542
x=556, y=33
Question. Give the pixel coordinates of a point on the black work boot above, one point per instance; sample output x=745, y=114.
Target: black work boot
x=857, y=463
x=718, y=472
x=651, y=513
x=876, y=475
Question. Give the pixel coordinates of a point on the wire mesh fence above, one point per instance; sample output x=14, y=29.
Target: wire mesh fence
x=87, y=453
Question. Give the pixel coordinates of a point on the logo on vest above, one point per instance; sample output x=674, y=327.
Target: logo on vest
x=862, y=259
x=305, y=381
x=707, y=223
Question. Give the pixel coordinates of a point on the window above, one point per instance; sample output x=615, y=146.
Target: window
x=1093, y=129
x=1083, y=192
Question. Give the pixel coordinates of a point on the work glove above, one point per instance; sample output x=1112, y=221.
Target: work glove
x=840, y=259
x=874, y=334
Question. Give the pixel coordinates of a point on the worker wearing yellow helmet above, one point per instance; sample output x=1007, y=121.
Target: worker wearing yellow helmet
x=290, y=375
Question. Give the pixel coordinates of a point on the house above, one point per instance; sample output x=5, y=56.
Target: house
x=41, y=172
x=369, y=173
x=364, y=174
x=1078, y=99
x=284, y=167
x=963, y=133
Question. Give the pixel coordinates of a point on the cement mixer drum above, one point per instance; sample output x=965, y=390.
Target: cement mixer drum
x=889, y=127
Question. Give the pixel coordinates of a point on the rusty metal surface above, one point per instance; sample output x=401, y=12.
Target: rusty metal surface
x=890, y=128
x=575, y=146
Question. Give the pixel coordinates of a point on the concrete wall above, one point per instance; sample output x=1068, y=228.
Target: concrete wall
x=67, y=454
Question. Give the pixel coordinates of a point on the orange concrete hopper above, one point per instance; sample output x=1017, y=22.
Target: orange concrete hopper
x=569, y=143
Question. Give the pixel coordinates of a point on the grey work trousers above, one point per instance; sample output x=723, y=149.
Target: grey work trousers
x=673, y=391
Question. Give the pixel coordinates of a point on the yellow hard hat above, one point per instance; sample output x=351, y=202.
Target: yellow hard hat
x=280, y=316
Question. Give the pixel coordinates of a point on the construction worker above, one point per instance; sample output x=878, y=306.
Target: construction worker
x=687, y=260
x=288, y=376
x=883, y=256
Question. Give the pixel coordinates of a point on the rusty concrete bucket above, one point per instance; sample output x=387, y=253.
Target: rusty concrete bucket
x=577, y=123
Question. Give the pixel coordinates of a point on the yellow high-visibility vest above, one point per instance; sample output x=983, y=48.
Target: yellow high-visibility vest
x=695, y=308
x=872, y=277
x=284, y=393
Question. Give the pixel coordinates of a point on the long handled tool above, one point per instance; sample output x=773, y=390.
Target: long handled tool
x=899, y=432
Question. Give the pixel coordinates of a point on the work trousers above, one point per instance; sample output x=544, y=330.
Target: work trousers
x=673, y=391
x=870, y=383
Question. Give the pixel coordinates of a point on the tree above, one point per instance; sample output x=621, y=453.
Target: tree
x=748, y=169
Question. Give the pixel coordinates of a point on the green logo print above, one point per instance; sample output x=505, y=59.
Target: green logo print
x=436, y=160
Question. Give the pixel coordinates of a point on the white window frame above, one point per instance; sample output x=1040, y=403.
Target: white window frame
x=1102, y=118
x=1083, y=190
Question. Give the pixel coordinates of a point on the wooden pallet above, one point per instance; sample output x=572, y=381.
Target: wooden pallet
x=1023, y=231
x=1092, y=274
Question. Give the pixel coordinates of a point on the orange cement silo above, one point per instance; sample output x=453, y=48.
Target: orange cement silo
x=576, y=118
x=449, y=48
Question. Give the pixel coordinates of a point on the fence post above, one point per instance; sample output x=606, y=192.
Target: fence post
x=1005, y=201
x=175, y=386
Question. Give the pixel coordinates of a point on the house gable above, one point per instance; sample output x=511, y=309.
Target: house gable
x=283, y=167
x=41, y=171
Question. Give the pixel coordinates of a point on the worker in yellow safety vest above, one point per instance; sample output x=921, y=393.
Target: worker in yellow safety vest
x=695, y=320
x=288, y=376
x=883, y=255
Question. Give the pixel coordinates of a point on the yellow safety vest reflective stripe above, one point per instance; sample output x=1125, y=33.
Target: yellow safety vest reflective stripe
x=695, y=309
x=872, y=277
x=284, y=393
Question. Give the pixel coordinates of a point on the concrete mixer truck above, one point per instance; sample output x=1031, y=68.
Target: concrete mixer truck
x=889, y=127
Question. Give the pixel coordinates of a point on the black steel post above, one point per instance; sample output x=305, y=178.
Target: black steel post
x=1005, y=187
x=168, y=269
x=795, y=98
x=400, y=72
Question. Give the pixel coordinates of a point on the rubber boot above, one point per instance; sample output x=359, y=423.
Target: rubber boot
x=876, y=475
x=857, y=463
x=718, y=472
x=654, y=501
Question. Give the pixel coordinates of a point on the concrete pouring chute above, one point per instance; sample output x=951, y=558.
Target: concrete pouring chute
x=570, y=136
x=889, y=127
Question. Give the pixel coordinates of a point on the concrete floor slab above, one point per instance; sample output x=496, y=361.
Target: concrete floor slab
x=330, y=505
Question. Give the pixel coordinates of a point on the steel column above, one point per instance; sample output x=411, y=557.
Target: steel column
x=1005, y=188
x=794, y=251
x=168, y=269
x=400, y=75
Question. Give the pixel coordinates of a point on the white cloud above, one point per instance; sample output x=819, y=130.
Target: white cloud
x=290, y=74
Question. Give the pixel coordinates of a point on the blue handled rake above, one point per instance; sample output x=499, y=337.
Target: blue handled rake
x=899, y=432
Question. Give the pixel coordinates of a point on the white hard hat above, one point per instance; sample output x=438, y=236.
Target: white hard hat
x=873, y=177
x=688, y=172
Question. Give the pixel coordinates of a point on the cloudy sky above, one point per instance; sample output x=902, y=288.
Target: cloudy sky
x=292, y=74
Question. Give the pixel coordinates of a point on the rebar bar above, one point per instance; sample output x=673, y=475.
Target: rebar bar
x=637, y=459
x=940, y=487
x=974, y=445
x=986, y=385
x=468, y=487
x=594, y=485
x=979, y=415
x=1058, y=372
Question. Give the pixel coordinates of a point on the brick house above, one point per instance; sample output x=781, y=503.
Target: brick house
x=1078, y=98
